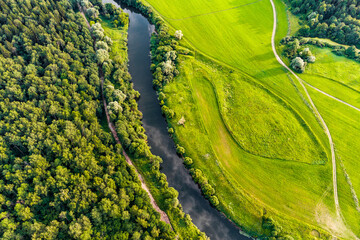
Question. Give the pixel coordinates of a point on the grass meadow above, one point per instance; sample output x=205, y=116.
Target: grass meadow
x=336, y=75
x=339, y=76
x=245, y=183
x=343, y=123
x=249, y=126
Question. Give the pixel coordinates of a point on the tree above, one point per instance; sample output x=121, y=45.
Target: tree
x=188, y=161
x=352, y=52
x=311, y=59
x=180, y=150
x=85, y=3
x=110, y=8
x=93, y=13
x=57, y=163
x=167, y=67
x=292, y=48
x=304, y=30
x=102, y=56
x=98, y=35
x=298, y=64
x=178, y=34
x=80, y=228
x=101, y=45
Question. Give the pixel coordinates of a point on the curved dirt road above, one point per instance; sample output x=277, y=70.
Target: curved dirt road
x=327, y=131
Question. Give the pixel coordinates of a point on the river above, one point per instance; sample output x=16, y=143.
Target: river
x=204, y=216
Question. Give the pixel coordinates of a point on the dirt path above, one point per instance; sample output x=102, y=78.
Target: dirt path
x=163, y=216
x=327, y=131
x=330, y=96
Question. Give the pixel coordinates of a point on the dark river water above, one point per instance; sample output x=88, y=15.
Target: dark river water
x=205, y=217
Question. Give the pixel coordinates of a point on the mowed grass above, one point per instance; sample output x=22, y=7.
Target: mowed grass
x=241, y=38
x=339, y=76
x=245, y=183
x=294, y=25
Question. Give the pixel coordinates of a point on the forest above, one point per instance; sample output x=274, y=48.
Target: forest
x=336, y=20
x=62, y=176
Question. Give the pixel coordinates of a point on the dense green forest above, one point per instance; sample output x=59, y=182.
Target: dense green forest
x=62, y=176
x=333, y=19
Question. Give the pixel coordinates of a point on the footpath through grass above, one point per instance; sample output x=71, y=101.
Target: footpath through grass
x=339, y=76
x=343, y=123
x=336, y=75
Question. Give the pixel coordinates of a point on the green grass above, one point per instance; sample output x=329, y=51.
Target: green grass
x=339, y=76
x=245, y=183
x=264, y=125
x=343, y=123
x=119, y=38
x=336, y=75
x=294, y=25
x=234, y=96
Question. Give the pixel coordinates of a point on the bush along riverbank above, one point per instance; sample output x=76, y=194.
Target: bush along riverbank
x=123, y=110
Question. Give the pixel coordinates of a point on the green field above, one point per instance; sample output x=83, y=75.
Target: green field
x=339, y=76
x=336, y=75
x=249, y=126
x=343, y=123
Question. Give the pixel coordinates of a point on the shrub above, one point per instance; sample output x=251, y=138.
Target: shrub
x=180, y=150
x=178, y=34
x=188, y=161
x=298, y=64
x=214, y=201
x=171, y=131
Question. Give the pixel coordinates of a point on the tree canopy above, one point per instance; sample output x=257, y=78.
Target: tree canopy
x=334, y=19
x=62, y=176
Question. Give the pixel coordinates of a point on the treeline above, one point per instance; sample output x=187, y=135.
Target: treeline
x=62, y=177
x=334, y=19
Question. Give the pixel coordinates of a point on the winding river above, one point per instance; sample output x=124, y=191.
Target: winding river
x=205, y=217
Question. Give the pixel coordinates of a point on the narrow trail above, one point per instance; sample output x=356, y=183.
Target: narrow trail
x=327, y=131
x=163, y=216
x=330, y=96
